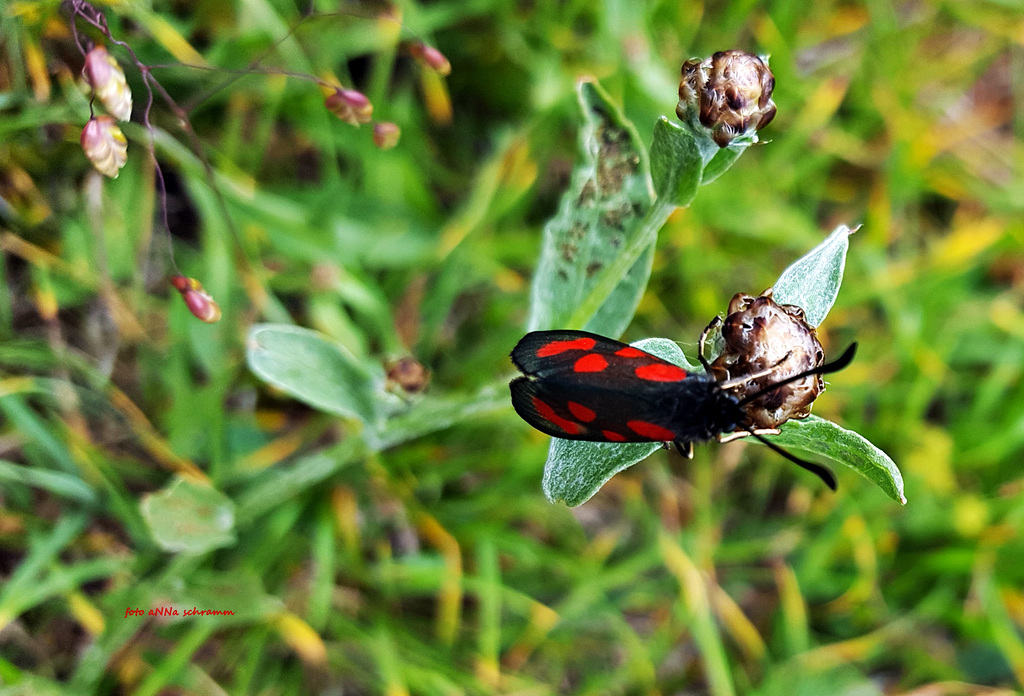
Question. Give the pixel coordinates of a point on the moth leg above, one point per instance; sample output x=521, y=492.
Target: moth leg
x=740, y=381
x=712, y=325
x=730, y=437
x=685, y=448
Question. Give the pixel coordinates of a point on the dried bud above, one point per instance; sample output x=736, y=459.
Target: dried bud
x=407, y=375
x=431, y=57
x=107, y=80
x=198, y=301
x=386, y=134
x=730, y=93
x=105, y=145
x=760, y=334
x=350, y=106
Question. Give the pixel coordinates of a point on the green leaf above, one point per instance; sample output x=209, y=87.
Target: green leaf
x=602, y=211
x=676, y=163
x=288, y=481
x=314, y=370
x=684, y=158
x=819, y=436
x=813, y=281
x=189, y=517
x=721, y=160
x=435, y=413
x=56, y=482
x=575, y=470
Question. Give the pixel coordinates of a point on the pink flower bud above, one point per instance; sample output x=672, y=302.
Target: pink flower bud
x=198, y=301
x=105, y=145
x=107, y=80
x=431, y=57
x=386, y=134
x=350, y=106
x=729, y=93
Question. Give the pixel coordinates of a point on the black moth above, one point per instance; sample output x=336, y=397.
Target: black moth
x=582, y=386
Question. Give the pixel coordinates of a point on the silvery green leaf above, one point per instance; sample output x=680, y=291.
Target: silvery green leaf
x=315, y=370
x=813, y=281
x=819, y=436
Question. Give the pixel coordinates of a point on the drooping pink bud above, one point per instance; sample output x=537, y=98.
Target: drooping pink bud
x=107, y=80
x=386, y=134
x=198, y=301
x=350, y=106
x=105, y=145
x=431, y=57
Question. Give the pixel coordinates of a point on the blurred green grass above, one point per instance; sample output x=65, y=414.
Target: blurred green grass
x=437, y=567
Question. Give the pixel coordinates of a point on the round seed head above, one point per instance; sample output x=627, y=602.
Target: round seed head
x=760, y=334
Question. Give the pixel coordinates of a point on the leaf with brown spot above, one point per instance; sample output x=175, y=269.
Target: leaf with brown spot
x=608, y=196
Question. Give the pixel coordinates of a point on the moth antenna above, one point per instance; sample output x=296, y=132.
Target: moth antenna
x=817, y=469
x=835, y=366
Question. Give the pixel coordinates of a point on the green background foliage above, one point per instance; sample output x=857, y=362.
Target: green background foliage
x=419, y=555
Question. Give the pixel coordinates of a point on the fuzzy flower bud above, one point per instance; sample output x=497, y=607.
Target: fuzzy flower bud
x=198, y=301
x=760, y=334
x=407, y=376
x=431, y=57
x=386, y=134
x=105, y=145
x=350, y=106
x=107, y=80
x=730, y=93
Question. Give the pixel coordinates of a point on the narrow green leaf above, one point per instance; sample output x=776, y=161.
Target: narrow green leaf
x=684, y=157
x=813, y=281
x=313, y=369
x=435, y=413
x=721, y=160
x=190, y=517
x=598, y=216
x=575, y=470
x=290, y=480
x=819, y=436
x=676, y=163
x=56, y=482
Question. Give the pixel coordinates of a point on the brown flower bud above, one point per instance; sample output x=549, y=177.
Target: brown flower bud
x=105, y=145
x=431, y=57
x=386, y=134
x=730, y=93
x=350, y=106
x=407, y=375
x=107, y=80
x=760, y=334
x=198, y=301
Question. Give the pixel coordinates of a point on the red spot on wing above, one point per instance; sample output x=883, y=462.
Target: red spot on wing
x=651, y=430
x=582, y=412
x=548, y=414
x=556, y=347
x=590, y=363
x=660, y=372
x=613, y=436
x=630, y=352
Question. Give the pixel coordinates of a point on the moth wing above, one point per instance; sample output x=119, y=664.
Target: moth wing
x=588, y=358
x=581, y=411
